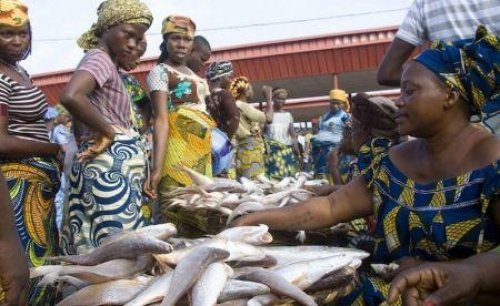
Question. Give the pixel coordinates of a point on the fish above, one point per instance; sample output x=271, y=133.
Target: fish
x=279, y=286
x=159, y=231
x=339, y=279
x=245, y=208
x=154, y=292
x=267, y=262
x=238, y=289
x=115, y=292
x=225, y=186
x=188, y=271
x=305, y=273
x=255, y=235
x=238, y=251
x=287, y=255
x=107, y=271
x=211, y=283
x=129, y=246
x=197, y=178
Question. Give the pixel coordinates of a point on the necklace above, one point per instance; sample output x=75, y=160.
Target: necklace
x=16, y=67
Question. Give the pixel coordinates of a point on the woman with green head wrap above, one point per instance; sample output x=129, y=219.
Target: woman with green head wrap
x=106, y=181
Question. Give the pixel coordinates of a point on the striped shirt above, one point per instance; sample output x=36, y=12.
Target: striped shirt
x=26, y=106
x=449, y=20
x=110, y=96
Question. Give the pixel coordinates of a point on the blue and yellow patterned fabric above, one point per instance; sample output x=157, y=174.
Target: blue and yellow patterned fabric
x=33, y=183
x=443, y=220
x=138, y=97
x=471, y=67
x=280, y=161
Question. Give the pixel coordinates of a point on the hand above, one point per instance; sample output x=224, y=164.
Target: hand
x=151, y=184
x=14, y=272
x=267, y=92
x=433, y=284
x=101, y=144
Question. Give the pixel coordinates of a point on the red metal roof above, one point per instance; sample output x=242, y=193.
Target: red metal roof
x=302, y=57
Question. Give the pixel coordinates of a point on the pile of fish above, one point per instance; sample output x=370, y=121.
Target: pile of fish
x=150, y=266
x=232, y=199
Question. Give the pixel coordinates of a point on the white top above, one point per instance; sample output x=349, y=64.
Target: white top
x=163, y=77
x=279, y=130
x=449, y=20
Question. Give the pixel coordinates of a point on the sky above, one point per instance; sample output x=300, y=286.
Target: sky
x=57, y=24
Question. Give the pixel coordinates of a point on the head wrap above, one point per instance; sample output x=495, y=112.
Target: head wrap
x=220, y=69
x=13, y=13
x=340, y=95
x=280, y=91
x=377, y=114
x=114, y=12
x=239, y=86
x=470, y=67
x=178, y=24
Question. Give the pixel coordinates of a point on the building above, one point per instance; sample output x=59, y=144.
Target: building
x=307, y=67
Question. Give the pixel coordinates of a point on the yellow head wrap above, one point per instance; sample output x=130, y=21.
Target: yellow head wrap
x=113, y=12
x=340, y=95
x=13, y=13
x=178, y=24
x=239, y=86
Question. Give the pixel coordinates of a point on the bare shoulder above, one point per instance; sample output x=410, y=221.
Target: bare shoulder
x=487, y=147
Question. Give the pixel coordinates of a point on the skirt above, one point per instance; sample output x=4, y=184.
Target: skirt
x=105, y=195
x=249, y=157
x=33, y=184
x=280, y=160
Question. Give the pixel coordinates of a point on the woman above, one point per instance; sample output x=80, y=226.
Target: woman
x=27, y=158
x=248, y=139
x=182, y=128
x=106, y=182
x=222, y=107
x=435, y=197
x=371, y=117
x=331, y=126
x=281, y=140
x=14, y=269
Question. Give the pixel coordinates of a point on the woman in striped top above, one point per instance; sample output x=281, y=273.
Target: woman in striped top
x=27, y=159
x=105, y=193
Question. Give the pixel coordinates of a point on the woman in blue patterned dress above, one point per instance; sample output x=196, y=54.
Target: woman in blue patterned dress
x=436, y=197
x=331, y=126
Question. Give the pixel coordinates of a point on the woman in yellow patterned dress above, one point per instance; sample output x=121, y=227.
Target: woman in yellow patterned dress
x=27, y=158
x=182, y=128
x=248, y=138
x=435, y=197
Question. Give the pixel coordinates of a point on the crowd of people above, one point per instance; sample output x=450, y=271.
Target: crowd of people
x=417, y=175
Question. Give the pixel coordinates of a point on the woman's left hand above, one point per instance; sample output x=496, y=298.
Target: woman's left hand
x=437, y=283
x=101, y=144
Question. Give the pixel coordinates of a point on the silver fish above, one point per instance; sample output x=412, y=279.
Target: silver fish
x=107, y=271
x=238, y=289
x=208, y=288
x=129, y=246
x=115, y=292
x=197, y=178
x=280, y=286
x=188, y=271
x=154, y=292
x=305, y=273
x=287, y=255
x=238, y=251
x=255, y=235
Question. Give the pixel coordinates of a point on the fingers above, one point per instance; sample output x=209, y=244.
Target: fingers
x=403, y=281
x=446, y=295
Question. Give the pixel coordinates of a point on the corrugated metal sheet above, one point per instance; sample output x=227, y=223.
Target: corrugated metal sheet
x=310, y=56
